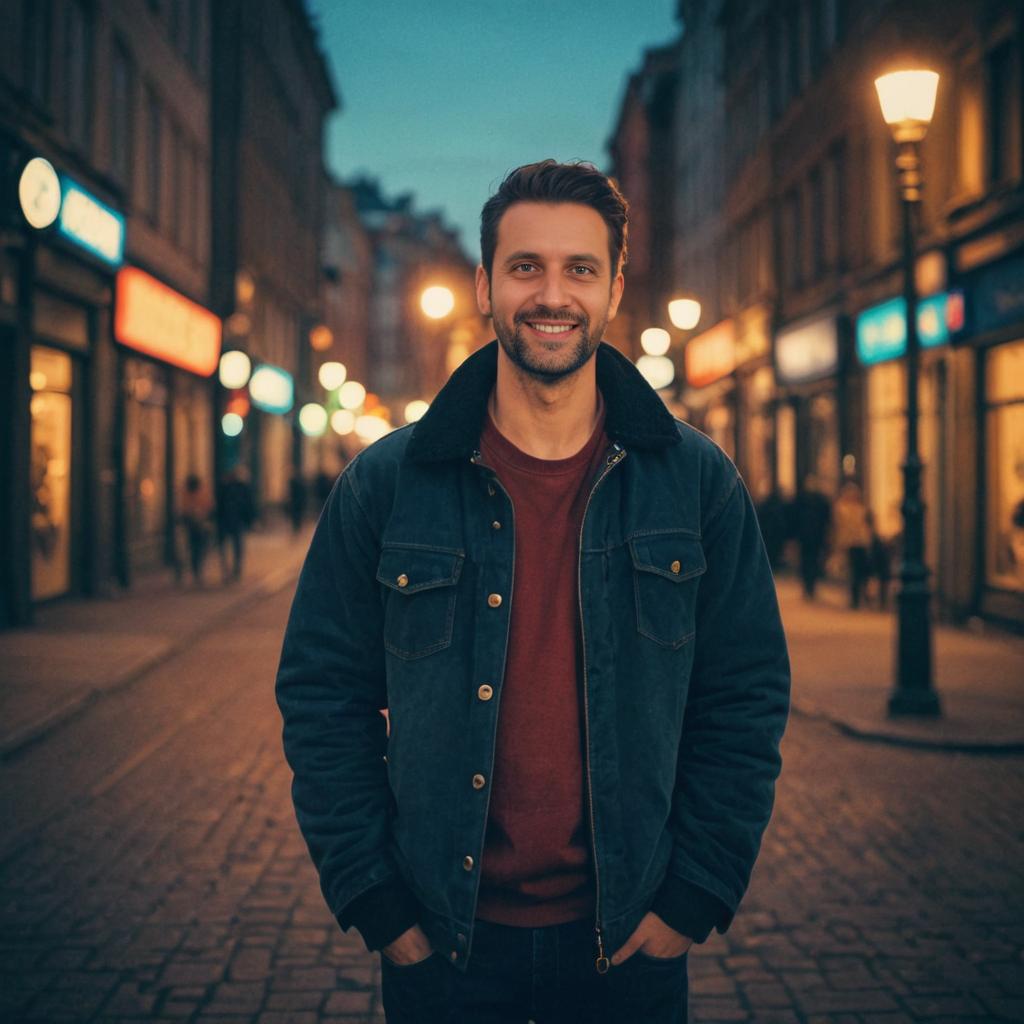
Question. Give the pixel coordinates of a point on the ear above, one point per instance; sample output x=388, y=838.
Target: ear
x=483, y=291
x=616, y=295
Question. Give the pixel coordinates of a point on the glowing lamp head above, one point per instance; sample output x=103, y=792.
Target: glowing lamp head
x=655, y=341
x=235, y=368
x=312, y=419
x=231, y=423
x=658, y=371
x=351, y=394
x=343, y=421
x=414, y=410
x=332, y=375
x=907, y=99
x=684, y=313
x=437, y=302
x=371, y=428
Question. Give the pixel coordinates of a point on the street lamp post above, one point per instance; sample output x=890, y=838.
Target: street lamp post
x=907, y=99
x=684, y=312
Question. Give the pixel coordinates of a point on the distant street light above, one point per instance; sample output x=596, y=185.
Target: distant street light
x=655, y=341
x=351, y=395
x=684, y=313
x=415, y=409
x=907, y=99
x=437, y=301
x=312, y=419
x=331, y=375
x=235, y=368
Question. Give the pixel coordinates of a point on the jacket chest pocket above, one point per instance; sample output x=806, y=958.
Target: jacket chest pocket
x=666, y=574
x=419, y=598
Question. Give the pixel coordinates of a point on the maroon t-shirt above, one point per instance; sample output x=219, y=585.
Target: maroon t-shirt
x=536, y=868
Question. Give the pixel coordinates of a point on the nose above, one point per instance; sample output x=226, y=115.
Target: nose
x=551, y=290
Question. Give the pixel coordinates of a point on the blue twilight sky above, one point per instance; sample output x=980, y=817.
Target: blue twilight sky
x=442, y=97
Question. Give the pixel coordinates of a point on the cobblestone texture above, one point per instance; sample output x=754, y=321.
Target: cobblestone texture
x=170, y=883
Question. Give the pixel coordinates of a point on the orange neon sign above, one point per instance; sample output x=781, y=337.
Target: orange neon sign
x=711, y=355
x=157, y=320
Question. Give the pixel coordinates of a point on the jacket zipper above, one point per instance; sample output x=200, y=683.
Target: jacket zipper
x=601, y=963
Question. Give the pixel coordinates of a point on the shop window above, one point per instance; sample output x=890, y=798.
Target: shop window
x=1004, y=492
x=50, y=525
x=145, y=458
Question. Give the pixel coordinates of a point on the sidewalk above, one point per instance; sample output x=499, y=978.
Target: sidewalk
x=78, y=650
x=843, y=673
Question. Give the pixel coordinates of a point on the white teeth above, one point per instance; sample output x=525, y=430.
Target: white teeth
x=552, y=328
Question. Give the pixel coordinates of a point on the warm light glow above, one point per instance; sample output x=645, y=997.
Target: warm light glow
x=907, y=99
x=658, y=371
x=239, y=404
x=235, y=368
x=332, y=375
x=415, y=409
x=37, y=380
x=371, y=428
x=351, y=394
x=684, y=313
x=655, y=341
x=437, y=301
x=312, y=419
x=321, y=338
x=231, y=423
x=343, y=421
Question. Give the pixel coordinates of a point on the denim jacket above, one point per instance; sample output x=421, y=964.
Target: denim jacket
x=404, y=602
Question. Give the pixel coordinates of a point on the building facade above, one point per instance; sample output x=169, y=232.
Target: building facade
x=104, y=284
x=799, y=372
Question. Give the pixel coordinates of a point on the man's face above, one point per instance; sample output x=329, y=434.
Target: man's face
x=552, y=289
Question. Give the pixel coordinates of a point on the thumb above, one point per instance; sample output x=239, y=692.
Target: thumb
x=633, y=943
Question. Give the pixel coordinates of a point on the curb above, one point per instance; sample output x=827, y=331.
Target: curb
x=890, y=733
x=272, y=583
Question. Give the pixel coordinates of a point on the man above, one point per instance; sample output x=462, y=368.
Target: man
x=562, y=598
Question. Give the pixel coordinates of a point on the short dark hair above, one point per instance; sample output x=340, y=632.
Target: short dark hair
x=550, y=182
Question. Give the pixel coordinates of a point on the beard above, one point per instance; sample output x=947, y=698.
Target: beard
x=548, y=367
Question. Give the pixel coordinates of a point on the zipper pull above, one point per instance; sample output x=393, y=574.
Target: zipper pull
x=602, y=963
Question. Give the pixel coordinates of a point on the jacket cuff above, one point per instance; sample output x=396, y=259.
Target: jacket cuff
x=381, y=914
x=689, y=909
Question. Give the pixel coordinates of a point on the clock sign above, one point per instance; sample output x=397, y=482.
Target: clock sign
x=40, y=193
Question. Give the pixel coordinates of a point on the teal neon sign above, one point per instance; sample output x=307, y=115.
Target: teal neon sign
x=90, y=223
x=882, y=329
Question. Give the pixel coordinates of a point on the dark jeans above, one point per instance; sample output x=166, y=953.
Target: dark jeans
x=236, y=540
x=859, y=565
x=543, y=975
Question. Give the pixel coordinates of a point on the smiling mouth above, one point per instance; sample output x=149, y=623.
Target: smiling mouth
x=554, y=329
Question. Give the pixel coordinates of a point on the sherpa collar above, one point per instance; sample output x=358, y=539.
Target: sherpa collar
x=451, y=427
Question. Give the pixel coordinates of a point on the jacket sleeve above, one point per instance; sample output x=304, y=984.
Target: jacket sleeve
x=735, y=715
x=330, y=689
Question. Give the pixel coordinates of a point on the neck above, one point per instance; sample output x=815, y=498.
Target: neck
x=547, y=421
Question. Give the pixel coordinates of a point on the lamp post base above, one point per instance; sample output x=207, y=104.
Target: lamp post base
x=918, y=703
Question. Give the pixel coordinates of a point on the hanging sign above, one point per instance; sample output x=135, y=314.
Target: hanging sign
x=807, y=351
x=882, y=329
x=157, y=320
x=711, y=355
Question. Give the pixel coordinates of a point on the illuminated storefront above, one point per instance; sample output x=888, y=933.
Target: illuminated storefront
x=55, y=314
x=807, y=421
x=173, y=347
x=710, y=395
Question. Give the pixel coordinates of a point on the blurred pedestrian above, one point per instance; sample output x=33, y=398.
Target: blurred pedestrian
x=196, y=514
x=625, y=618
x=323, y=483
x=812, y=513
x=773, y=516
x=852, y=537
x=296, y=501
x=881, y=562
x=235, y=515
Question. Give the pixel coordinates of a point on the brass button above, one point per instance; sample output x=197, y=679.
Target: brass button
x=494, y=600
x=485, y=692
x=467, y=863
x=479, y=781
x=496, y=525
x=675, y=566
x=403, y=580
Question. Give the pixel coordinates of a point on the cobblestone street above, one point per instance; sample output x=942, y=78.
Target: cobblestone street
x=150, y=868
